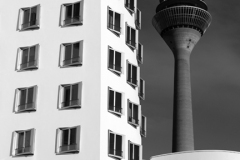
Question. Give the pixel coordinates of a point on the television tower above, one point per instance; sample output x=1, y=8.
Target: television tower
x=181, y=23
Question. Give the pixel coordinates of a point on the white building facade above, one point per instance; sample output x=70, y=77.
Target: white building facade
x=70, y=80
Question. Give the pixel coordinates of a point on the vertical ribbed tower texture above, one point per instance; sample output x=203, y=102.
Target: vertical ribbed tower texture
x=181, y=23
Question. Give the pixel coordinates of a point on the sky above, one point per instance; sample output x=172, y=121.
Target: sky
x=215, y=81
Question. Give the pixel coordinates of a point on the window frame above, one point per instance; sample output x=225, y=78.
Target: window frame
x=143, y=130
x=18, y=99
x=20, y=55
x=62, y=96
x=114, y=60
x=16, y=141
x=132, y=111
x=137, y=75
x=115, y=144
x=129, y=34
x=127, y=6
x=108, y=21
x=114, y=101
x=140, y=55
x=138, y=19
x=141, y=95
x=133, y=148
x=63, y=14
x=21, y=18
x=63, y=53
x=59, y=142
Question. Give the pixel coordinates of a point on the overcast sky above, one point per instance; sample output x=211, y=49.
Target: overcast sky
x=215, y=78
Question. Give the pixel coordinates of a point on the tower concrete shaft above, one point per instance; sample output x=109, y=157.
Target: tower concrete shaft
x=181, y=23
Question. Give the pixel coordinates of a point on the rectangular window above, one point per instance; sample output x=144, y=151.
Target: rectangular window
x=138, y=19
x=23, y=142
x=131, y=37
x=132, y=74
x=140, y=53
x=26, y=99
x=68, y=139
x=71, y=95
x=143, y=128
x=114, y=21
x=130, y=5
x=115, y=145
x=134, y=151
x=114, y=61
x=115, y=102
x=142, y=89
x=28, y=58
x=71, y=54
x=133, y=113
x=72, y=14
x=29, y=18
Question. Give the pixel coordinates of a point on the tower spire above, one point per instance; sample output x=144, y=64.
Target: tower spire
x=181, y=23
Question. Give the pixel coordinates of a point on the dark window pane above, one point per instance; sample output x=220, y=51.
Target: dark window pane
x=118, y=61
x=20, y=139
x=129, y=72
x=111, y=59
x=23, y=94
x=67, y=94
x=111, y=144
x=110, y=19
x=143, y=122
x=33, y=16
x=119, y=144
x=75, y=92
x=73, y=136
x=76, y=10
x=68, y=12
x=130, y=110
x=132, y=4
x=68, y=50
x=25, y=56
x=75, y=50
x=30, y=95
x=32, y=54
x=26, y=16
x=28, y=139
x=131, y=151
x=117, y=22
x=128, y=34
x=134, y=74
x=111, y=99
x=118, y=101
x=136, y=152
x=135, y=113
x=138, y=15
x=133, y=34
x=65, y=134
x=141, y=86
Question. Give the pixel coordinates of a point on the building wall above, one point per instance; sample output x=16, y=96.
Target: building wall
x=93, y=117
x=200, y=155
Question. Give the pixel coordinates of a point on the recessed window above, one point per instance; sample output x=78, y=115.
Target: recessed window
x=132, y=74
x=142, y=89
x=23, y=142
x=71, y=54
x=143, y=128
x=68, y=139
x=114, y=61
x=131, y=37
x=72, y=14
x=133, y=113
x=114, y=21
x=140, y=53
x=114, y=102
x=70, y=96
x=135, y=152
x=27, y=58
x=29, y=18
x=115, y=145
x=26, y=99
x=130, y=5
x=138, y=19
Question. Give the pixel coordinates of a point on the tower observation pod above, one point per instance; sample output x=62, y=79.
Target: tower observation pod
x=181, y=23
